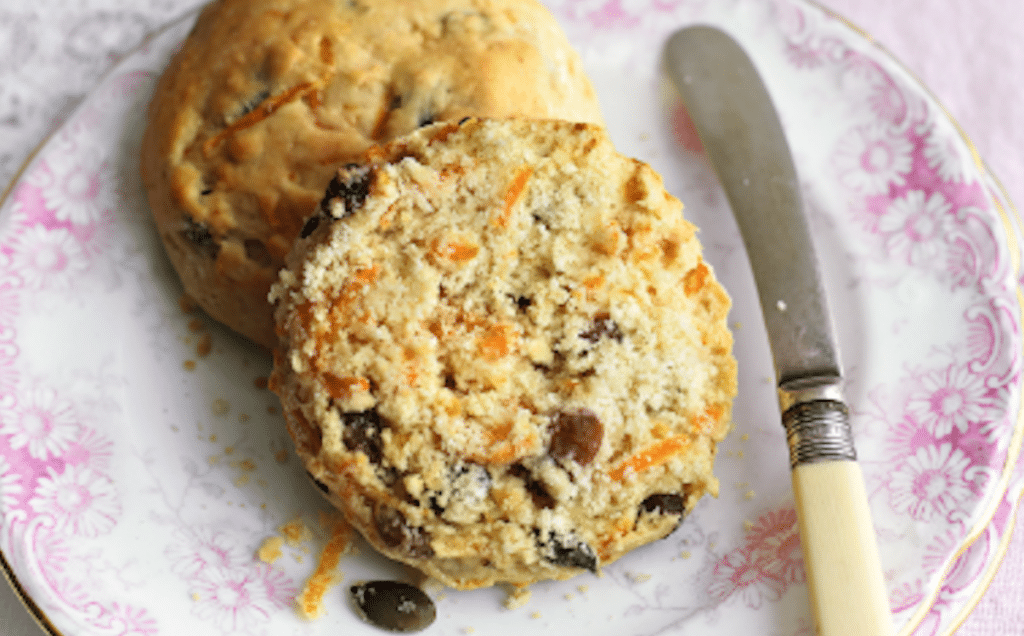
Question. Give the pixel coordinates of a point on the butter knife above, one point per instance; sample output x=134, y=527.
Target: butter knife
x=745, y=144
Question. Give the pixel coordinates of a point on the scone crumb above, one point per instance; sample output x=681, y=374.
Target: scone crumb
x=748, y=495
x=189, y=365
x=195, y=596
x=296, y=532
x=583, y=588
x=204, y=346
x=270, y=551
x=517, y=596
x=243, y=418
x=261, y=382
x=220, y=406
x=747, y=525
x=535, y=615
x=196, y=325
x=281, y=456
x=686, y=554
x=639, y=577
x=309, y=602
x=468, y=630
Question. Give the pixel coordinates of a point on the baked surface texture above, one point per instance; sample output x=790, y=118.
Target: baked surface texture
x=502, y=355
x=267, y=97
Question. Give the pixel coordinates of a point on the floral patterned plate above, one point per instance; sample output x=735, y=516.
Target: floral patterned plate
x=142, y=464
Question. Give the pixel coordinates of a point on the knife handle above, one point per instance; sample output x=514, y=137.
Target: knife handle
x=844, y=575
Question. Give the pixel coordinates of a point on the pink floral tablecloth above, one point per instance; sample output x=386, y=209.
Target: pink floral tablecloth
x=970, y=54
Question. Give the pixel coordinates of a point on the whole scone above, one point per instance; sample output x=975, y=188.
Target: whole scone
x=267, y=97
x=502, y=355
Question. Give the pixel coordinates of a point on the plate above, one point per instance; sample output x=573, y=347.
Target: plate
x=142, y=463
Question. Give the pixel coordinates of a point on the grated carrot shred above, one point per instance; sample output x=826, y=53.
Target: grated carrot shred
x=309, y=602
x=694, y=280
x=513, y=194
x=497, y=342
x=261, y=112
x=654, y=455
x=344, y=387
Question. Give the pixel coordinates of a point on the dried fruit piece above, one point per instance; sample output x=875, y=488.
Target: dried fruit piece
x=576, y=436
x=350, y=185
x=319, y=484
x=665, y=504
x=198, y=234
x=310, y=225
x=395, y=532
x=394, y=606
x=602, y=327
x=567, y=550
x=362, y=433
x=538, y=493
x=257, y=252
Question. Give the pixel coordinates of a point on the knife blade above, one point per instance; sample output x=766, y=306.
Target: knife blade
x=746, y=145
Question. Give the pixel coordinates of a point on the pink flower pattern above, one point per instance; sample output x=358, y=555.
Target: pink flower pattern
x=915, y=226
x=44, y=423
x=240, y=600
x=931, y=484
x=231, y=590
x=948, y=399
x=79, y=499
x=10, y=487
x=766, y=564
x=872, y=158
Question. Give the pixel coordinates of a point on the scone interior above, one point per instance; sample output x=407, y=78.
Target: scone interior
x=502, y=355
x=267, y=97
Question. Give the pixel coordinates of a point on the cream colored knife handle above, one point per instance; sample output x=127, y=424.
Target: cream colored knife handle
x=844, y=577
x=845, y=582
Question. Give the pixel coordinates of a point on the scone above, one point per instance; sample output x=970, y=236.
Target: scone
x=267, y=97
x=502, y=355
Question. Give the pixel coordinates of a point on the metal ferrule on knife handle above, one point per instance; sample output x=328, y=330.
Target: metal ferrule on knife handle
x=817, y=423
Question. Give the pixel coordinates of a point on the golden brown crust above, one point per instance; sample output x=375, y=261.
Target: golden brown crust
x=267, y=97
x=503, y=356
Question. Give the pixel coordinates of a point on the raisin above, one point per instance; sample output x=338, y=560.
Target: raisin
x=362, y=434
x=395, y=532
x=567, y=550
x=310, y=225
x=523, y=302
x=576, y=436
x=254, y=102
x=351, y=185
x=395, y=103
x=198, y=234
x=664, y=504
x=538, y=493
x=257, y=252
x=394, y=606
x=425, y=120
x=319, y=484
x=602, y=327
